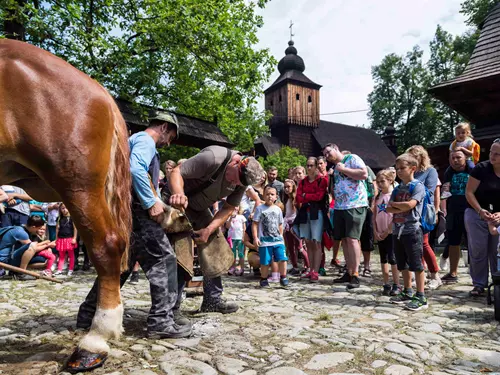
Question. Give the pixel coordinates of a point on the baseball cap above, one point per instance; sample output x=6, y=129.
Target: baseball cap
x=166, y=117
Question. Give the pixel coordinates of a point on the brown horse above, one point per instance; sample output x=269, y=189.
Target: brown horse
x=62, y=138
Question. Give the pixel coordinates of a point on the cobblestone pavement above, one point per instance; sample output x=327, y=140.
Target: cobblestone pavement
x=304, y=329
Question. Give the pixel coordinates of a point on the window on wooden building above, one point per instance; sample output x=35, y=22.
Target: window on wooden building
x=280, y=98
x=309, y=99
x=271, y=103
x=297, y=96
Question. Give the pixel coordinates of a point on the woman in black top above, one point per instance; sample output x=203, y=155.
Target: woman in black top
x=483, y=197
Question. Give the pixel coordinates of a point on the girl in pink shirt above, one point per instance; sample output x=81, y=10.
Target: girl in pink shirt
x=382, y=232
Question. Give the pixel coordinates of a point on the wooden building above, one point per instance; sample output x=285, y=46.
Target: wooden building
x=294, y=101
x=475, y=94
x=193, y=132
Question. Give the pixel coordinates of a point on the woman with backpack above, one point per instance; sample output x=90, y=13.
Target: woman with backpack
x=311, y=192
x=429, y=177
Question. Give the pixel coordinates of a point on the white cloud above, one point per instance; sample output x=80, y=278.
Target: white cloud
x=340, y=40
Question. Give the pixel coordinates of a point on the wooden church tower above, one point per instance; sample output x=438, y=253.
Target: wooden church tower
x=293, y=100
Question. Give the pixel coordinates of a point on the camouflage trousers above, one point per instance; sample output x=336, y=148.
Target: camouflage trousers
x=149, y=246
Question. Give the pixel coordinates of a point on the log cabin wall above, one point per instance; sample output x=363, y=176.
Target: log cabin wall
x=277, y=104
x=303, y=105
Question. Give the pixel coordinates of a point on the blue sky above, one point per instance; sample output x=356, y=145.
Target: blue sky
x=340, y=40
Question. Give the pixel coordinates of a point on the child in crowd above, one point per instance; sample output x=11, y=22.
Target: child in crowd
x=41, y=235
x=300, y=173
x=267, y=230
x=236, y=229
x=291, y=240
x=382, y=232
x=464, y=142
x=406, y=206
x=65, y=240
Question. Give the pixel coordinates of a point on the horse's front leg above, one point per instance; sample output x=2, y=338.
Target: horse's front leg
x=104, y=302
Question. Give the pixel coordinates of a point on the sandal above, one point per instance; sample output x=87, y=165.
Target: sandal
x=476, y=292
x=367, y=273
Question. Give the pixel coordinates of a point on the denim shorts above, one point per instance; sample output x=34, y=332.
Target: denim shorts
x=312, y=229
x=271, y=253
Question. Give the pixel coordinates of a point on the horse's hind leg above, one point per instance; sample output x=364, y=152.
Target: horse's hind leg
x=93, y=220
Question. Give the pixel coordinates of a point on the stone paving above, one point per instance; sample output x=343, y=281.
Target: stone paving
x=304, y=329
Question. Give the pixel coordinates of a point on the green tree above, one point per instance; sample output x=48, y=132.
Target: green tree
x=284, y=159
x=194, y=57
x=477, y=10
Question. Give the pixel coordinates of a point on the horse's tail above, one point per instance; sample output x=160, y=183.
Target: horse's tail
x=119, y=183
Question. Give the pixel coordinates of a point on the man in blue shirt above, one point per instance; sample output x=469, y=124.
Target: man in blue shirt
x=149, y=244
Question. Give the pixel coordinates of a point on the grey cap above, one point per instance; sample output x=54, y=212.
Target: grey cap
x=166, y=117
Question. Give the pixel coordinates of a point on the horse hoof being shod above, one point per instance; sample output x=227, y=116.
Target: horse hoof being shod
x=63, y=138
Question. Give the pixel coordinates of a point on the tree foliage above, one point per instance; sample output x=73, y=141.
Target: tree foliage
x=400, y=95
x=194, y=57
x=286, y=158
x=477, y=10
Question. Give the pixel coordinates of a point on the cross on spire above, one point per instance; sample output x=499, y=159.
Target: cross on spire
x=291, y=30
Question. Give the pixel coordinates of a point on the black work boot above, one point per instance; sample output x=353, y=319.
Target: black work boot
x=175, y=331
x=179, y=318
x=220, y=305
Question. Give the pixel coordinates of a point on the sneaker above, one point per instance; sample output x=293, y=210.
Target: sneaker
x=58, y=272
x=174, y=331
x=134, y=279
x=273, y=279
x=220, y=306
x=395, y=290
x=3, y=273
x=284, y=281
x=335, y=263
x=417, y=303
x=264, y=283
x=86, y=267
x=239, y=272
x=294, y=272
x=387, y=290
x=346, y=278
x=434, y=283
x=449, y=279
x=354, y=283
x=314, y=277
x=23, y=277
x=70, y=273
x=444, y=263
x=322, y=272
x=180, y=319
x=231, y=271
x=306, y=274
x=401, y=298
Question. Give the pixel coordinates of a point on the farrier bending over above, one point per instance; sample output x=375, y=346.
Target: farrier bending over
x=214, y=173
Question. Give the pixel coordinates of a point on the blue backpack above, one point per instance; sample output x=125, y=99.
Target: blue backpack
x=428, y=217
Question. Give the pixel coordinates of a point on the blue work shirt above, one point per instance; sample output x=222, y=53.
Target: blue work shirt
x=144, y=160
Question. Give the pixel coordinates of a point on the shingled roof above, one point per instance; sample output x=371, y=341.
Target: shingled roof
x=269, y=145
x=193, y=131
x=475, y=93
x=360, y=141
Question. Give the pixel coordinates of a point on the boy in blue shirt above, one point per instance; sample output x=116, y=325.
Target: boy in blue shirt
x=267, y=229
x=406, y=204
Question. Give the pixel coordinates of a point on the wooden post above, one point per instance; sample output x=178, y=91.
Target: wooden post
x=31, y=273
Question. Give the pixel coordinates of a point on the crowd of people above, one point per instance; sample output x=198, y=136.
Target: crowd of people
x=333, y=202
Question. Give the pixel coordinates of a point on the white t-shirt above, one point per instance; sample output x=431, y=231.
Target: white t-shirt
x=236, y=229
x=245, y=200
x=269, y=218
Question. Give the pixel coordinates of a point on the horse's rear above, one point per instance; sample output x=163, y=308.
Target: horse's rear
x=62, y=137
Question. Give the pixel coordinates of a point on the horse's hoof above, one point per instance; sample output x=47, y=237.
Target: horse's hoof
x=82, y=360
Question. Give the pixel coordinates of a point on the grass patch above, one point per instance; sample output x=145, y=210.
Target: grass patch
x=323, y=317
